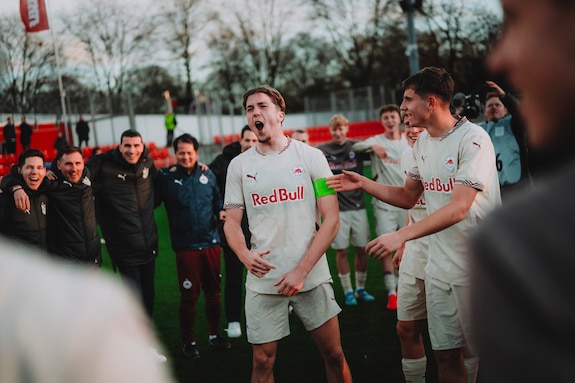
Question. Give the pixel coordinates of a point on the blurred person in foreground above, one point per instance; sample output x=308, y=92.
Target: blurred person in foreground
x=293, y=217
x=63, y=324
x=523, y=254
x=234, y=267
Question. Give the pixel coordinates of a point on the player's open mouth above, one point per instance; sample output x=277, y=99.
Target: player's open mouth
x=259, y=125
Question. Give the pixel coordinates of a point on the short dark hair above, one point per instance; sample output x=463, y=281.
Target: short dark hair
x=389, y=108
x=244, y=130
x=68, y=149
x=29, y=153
x=274, y=94
x=431, y=80
x=130, y=133
x=187, y=138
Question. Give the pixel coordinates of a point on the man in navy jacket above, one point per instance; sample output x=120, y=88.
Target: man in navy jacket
x=194, y=206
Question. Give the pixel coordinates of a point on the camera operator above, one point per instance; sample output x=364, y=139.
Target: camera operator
x=504, y=125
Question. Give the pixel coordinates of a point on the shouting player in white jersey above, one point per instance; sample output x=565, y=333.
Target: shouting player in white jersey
x=293, y=218
x=455, y=168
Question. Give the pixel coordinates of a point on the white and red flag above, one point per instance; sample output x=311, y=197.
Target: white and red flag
x=34, y=16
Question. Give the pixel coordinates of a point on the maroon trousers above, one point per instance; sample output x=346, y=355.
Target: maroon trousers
x=199, y=270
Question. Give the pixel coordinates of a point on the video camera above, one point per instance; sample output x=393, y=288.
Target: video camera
x=471, y=103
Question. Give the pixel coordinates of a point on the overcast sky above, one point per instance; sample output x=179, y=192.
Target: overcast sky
x=65, y=5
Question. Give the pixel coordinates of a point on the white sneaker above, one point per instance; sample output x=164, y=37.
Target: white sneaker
x=234, y=330
x=157, y=356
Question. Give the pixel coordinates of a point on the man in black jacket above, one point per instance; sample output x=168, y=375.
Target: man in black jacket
x=72, y=229
x=234, y=268
x=25, y=134
x=123, y=181
x=28, y=226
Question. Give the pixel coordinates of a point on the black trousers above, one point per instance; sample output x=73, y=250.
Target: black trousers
x=234, y=285
x=141, y=279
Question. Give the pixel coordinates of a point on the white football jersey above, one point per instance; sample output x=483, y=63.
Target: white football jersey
x=463, y=156
x=277, y=193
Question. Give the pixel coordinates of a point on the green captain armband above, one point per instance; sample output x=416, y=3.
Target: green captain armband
x=321, y=189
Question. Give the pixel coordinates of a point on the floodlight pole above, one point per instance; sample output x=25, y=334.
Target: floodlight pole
x=411, y=50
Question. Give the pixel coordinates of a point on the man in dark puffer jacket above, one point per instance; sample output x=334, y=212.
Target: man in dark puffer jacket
x=28, y=226
x=72, y=232
x=123, y=181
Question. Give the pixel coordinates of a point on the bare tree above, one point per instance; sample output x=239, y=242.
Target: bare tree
x=26, y=65
x=114, y=38
x=183, y=22
x=458, y=36
x=356, y=30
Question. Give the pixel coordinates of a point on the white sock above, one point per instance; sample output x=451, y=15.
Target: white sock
x=471, y=368
x=414, y=369
x=360, y=278
x=390, y=283
x=345, y=282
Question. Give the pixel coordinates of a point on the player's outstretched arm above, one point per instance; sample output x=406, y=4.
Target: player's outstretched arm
x=455, y=211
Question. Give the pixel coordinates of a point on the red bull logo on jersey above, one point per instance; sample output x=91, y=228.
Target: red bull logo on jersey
x=278, y=195
x=298, y=171
x=436, y=185
x=449, y=163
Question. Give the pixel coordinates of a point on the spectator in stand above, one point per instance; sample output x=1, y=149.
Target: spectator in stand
x=60, y=140
x=353, y=222
x=25, y=134
x=386, y=150
x=83, y=131
x=234, y=267
x=9, y=133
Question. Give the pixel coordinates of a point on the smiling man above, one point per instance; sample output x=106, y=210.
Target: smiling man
x=124, y=181
x=280, y=184
x=72, y=228
x=30, y=225
x=454, y=166
x=194, y=206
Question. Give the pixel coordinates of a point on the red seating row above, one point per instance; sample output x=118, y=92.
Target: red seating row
x=320, y=134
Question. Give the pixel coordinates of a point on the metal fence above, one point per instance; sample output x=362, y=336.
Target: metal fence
x=355, y=104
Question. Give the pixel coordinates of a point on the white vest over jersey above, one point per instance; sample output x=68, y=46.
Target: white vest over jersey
x=464, y=156
x=277, y=193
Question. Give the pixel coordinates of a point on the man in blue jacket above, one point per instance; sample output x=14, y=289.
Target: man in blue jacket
x=194, y=206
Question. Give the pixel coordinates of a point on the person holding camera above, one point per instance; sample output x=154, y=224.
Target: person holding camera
x=506, y=129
